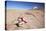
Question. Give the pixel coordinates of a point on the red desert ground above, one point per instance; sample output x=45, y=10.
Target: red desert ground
x=33, y=19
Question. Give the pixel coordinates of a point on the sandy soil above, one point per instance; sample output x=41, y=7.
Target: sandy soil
x=34, y=19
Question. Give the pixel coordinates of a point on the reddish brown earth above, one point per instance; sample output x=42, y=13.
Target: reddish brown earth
x=34, y=19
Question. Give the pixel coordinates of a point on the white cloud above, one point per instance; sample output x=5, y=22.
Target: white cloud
x=35, y=7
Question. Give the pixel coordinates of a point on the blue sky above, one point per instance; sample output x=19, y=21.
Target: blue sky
x=23, y=5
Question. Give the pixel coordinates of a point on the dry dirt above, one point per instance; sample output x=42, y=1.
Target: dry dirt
x=34, y=19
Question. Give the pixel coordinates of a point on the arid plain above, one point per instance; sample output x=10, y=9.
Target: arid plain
x=34, y=19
